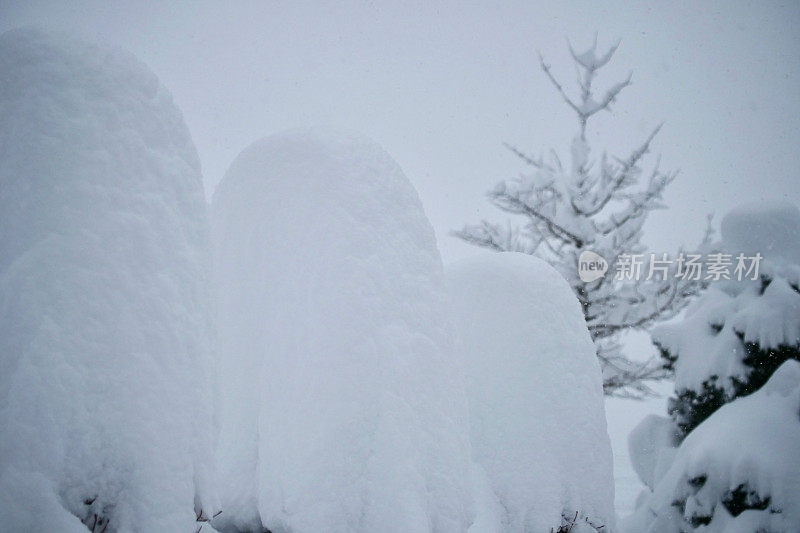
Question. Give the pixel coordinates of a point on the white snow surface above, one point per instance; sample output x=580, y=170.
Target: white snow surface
x=103, y=306
x=752, y=441
x=537, y=420
x=342, y=410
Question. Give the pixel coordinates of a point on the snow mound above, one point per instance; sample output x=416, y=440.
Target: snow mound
x=726, y=478
x=341, y=396
x=651, y=445
x=537, y=419
x=104, y=402
x=771, y=228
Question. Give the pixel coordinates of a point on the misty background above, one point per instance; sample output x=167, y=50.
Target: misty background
x=441, y=85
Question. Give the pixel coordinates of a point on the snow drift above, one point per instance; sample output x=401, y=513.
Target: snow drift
x=104, y=402
x=537, y=419
x=342, y=410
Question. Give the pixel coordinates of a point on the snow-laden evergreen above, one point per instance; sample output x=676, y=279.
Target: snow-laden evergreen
x=738, y=471
x=105, y=413
x=739, y=331
x=537, y=419
x=342, y=409
x=726, y=459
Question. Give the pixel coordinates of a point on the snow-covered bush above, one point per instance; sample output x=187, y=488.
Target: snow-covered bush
x=737, y=471
x=105, y=414
x=537, y=419
x=740, y=331
x=342, y=408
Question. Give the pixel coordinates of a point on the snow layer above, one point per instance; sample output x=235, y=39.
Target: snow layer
x=104, y=390
x=537, y=421
x=753, y=443
x=340, y=395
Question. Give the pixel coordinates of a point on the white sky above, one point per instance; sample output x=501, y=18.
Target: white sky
x=442, y=84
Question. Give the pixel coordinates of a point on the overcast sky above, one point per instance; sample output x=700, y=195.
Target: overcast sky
x=442, y=85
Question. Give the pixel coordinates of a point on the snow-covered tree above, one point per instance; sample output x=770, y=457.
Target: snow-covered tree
x=740, y=331
x=537, y=423
x=342, y=407
x=105, y=360
x=597, y=205
x=726, y=459
x=737, y=471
